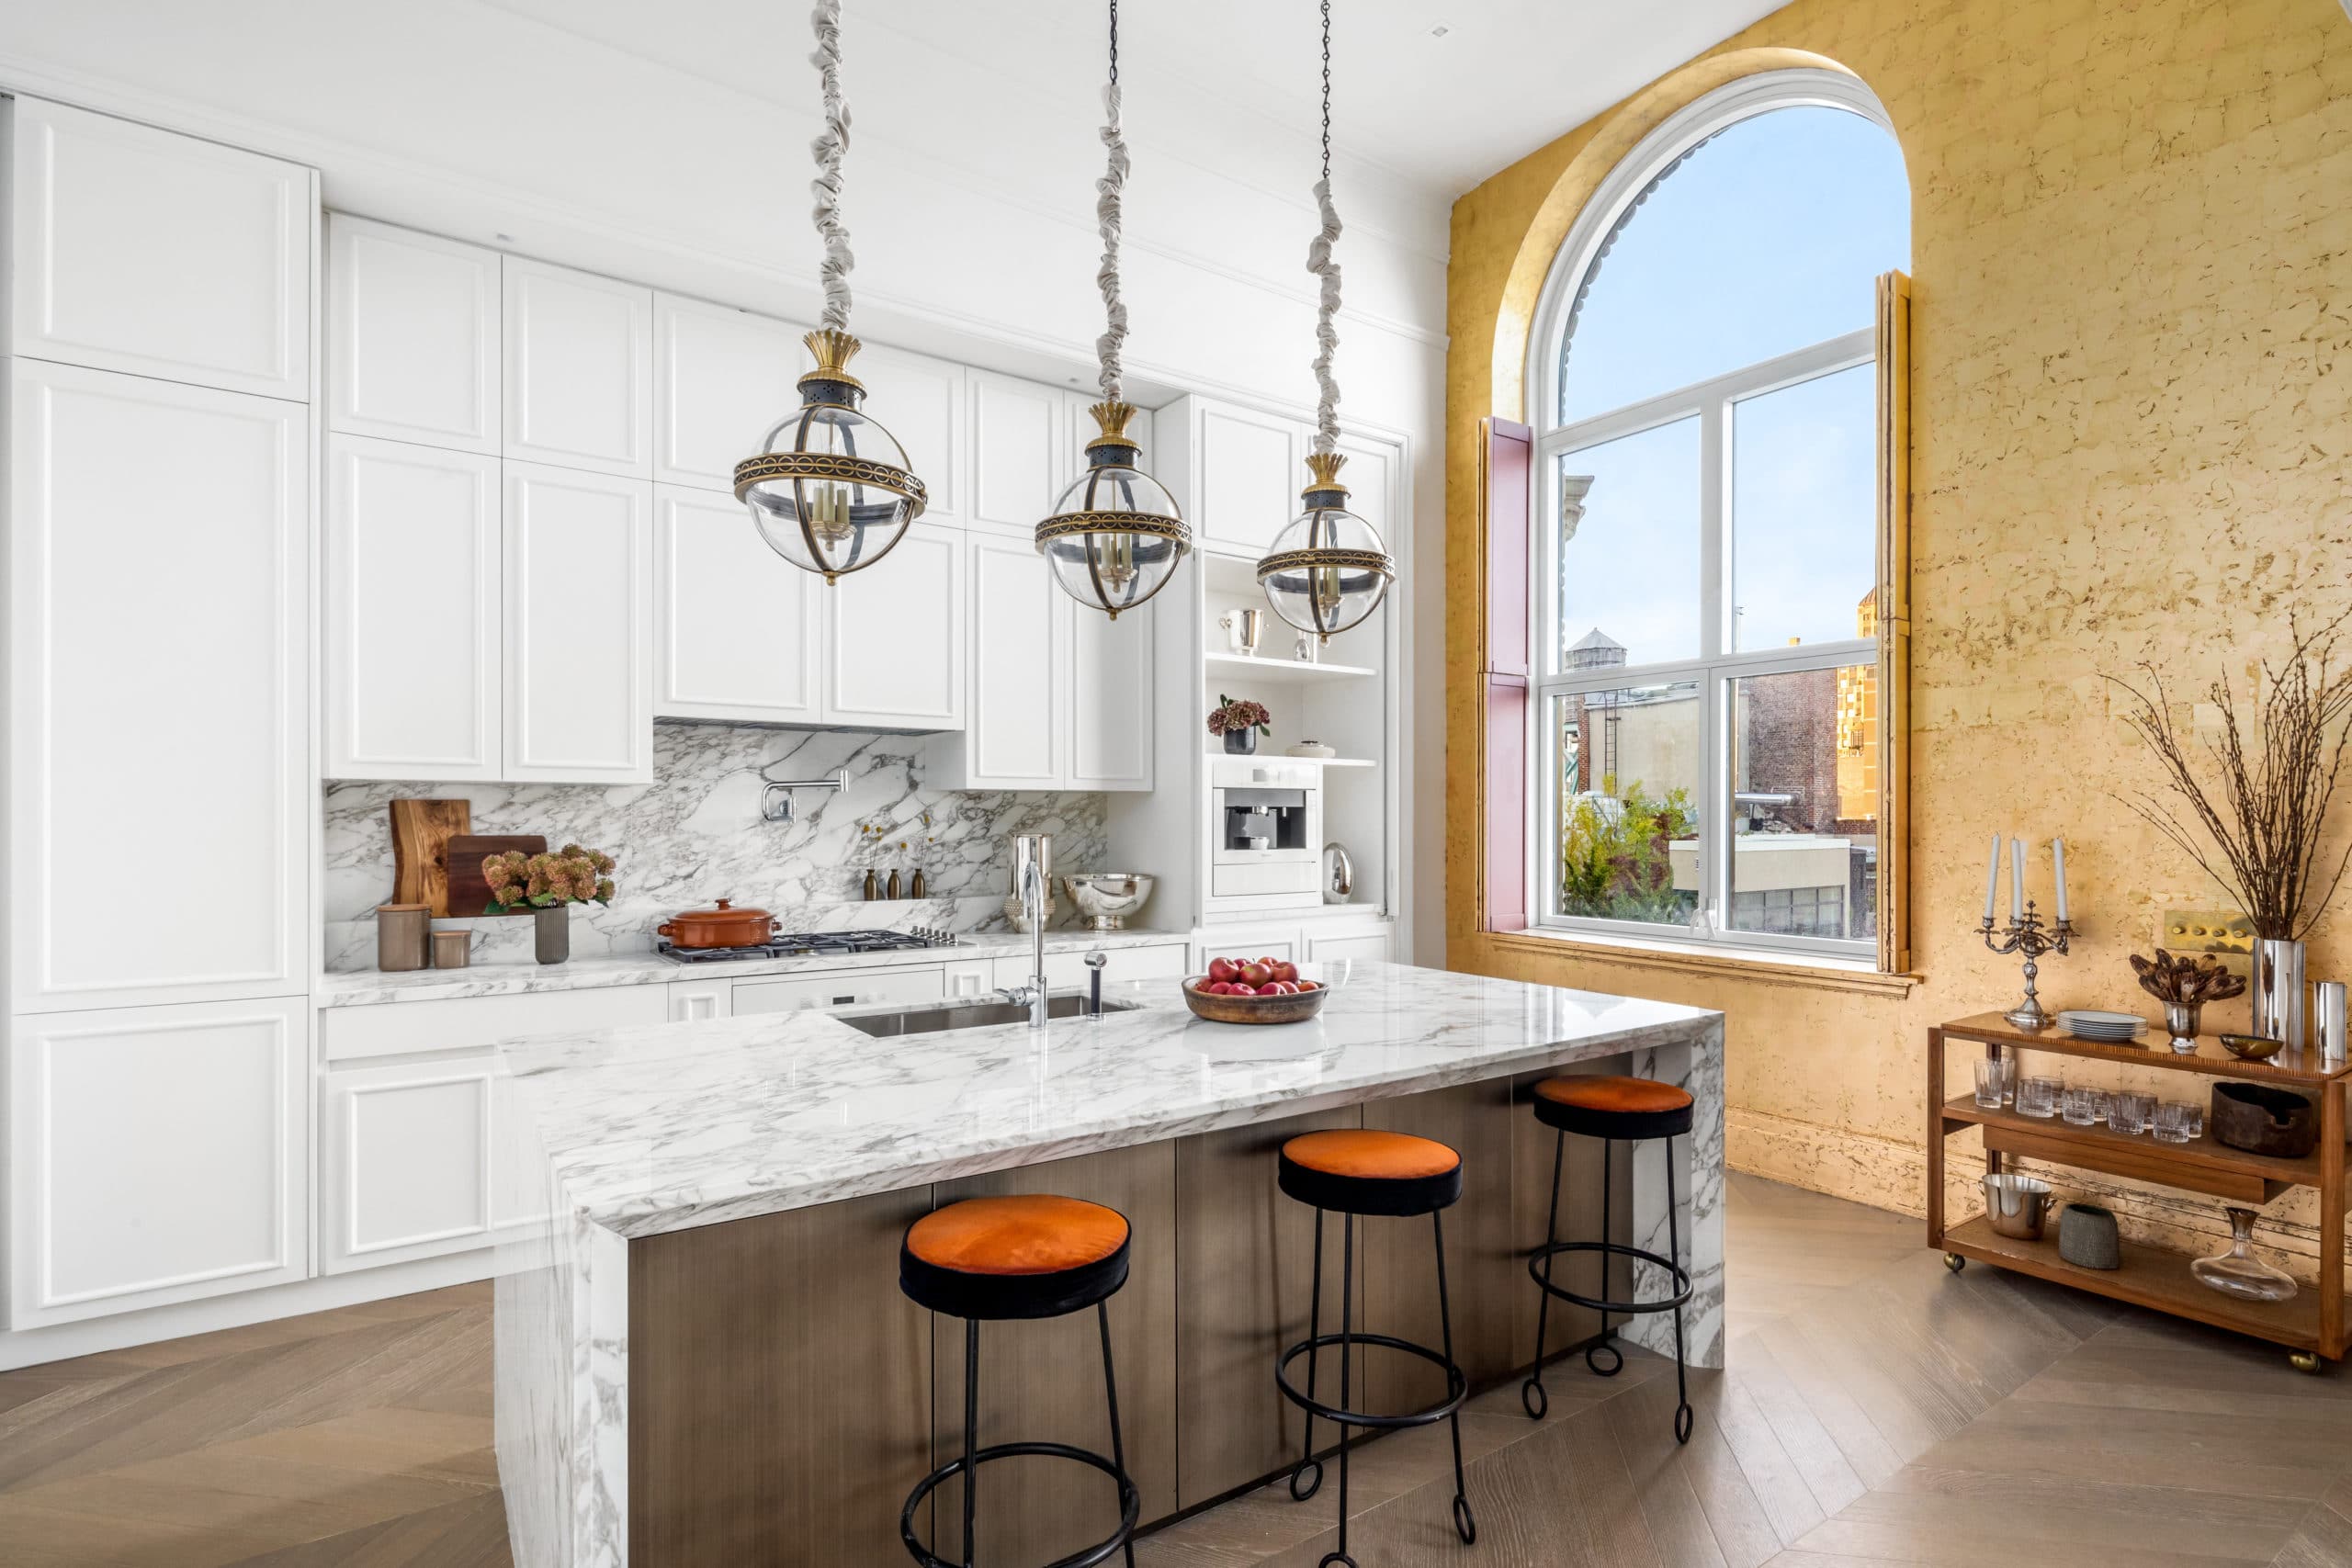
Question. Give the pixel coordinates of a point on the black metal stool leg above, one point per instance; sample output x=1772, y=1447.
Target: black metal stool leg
x=1347, y=1322
x=1532, y=1393
x=1307, y=1460
x=1464, y=1525
x=1111, y=1391
x=971, y=1428
x=1608, y=1211
x=1674, y=1250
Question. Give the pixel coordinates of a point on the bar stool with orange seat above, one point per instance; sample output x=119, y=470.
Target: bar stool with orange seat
x=1362, y=1171
x=1025, y=1257
x=1614, y=1110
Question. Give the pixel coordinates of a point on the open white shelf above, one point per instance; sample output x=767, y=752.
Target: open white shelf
x=1220, y=754
x=1286, y=668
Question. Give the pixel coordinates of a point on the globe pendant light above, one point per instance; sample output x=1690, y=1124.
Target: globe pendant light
x=1116, y=533
x=1328, y=570
x=830, y=489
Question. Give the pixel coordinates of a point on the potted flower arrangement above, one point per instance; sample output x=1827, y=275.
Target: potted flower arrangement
x=1240, y=721
x=546, y=885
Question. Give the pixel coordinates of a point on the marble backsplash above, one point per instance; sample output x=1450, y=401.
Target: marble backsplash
x=693, y=835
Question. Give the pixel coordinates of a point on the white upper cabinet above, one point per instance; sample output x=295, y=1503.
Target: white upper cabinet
x=740, y=631
x=1371, y=478
x=1109, y=698
x=411, y=610
x=1018, y=451
x=155, y=1155
x=578, y=626
x=1235, y=473
x=142, y=250
x=722, y=380
x=894, y=656
x=1013, y=737
x=412, y=336
x=579, y=369
x=158, y=593
x=920, y=402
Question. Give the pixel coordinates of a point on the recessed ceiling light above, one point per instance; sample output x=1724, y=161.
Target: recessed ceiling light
x=1440, y=30
x=505, y=239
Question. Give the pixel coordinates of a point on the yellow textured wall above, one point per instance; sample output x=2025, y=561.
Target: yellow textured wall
x=2132, y=438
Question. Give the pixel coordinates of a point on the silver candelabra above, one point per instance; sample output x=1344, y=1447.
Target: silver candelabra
x=2026, y=934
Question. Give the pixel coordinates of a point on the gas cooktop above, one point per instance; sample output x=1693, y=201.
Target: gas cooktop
x=813, y=944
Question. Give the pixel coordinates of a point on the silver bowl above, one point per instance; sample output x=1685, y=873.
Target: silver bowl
x=1106, y=898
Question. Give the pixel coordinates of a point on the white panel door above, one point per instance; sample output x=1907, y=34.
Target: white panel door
x=413, y=338
x=142, y=251
x=578, y=626
x=404, y=1162
x=722, y=378
x=1109, y=698
x=738, y=631
x=579, y=369
x=1370, y=479
x=1346, y=945
x=849, y=988
x=156, y=638
x=1251, y=468
x=412, y=615
x=919, y=400
x=1017, y=451
x=1018, y=643
x=156, y=1155
x=894, y=656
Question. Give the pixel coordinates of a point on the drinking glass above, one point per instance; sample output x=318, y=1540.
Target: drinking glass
x=2131, y=1112
x=2038, y=1097
x=2176, y=1122
x=2082, y=1106
x=1991, y=1077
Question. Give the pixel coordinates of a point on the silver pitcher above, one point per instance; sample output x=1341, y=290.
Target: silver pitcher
x=2277, y=986
x=2017, y=1205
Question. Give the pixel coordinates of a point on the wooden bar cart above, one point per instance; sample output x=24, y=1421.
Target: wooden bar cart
x=2310, y=1325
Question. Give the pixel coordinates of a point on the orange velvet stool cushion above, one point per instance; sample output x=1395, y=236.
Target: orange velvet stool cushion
x=1031, y=1234
x=1347, y=1151
x=1635, y=1096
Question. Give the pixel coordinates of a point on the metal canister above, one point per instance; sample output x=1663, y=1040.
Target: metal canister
x=2327, y=1005
x=401, y=933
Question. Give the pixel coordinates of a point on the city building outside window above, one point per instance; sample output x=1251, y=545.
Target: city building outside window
x=1702, y=380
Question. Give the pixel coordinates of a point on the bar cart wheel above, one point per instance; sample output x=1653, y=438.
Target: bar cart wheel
x=1955, y=1262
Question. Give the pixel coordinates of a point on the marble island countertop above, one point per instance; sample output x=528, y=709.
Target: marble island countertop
x=663, y=1127
x=369, y=987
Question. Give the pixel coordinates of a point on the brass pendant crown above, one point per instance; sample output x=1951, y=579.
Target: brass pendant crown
x=833, y=349
x=1325, y=467
x=1112, y=416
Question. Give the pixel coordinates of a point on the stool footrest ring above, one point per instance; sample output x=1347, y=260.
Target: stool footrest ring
x=1130, y=1502
x=1680, y=1275
x=1457, y=1383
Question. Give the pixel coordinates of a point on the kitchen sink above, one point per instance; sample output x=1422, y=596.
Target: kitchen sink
x=945, y=1016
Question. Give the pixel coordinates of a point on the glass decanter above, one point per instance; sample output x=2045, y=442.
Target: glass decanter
x=2236, y=1271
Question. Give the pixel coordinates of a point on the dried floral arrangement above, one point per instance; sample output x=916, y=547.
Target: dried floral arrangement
x=1240, y=713
x=2257, y=832
x=2186, y=978
x=568, y=875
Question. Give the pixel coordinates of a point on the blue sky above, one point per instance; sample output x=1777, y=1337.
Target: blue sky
x=1765, y=241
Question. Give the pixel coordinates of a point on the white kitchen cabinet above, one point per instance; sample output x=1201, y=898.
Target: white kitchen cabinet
x=142, y=251
x=158, y=585
x=700, y=1002
x=920, y=401
x=1353, y=943
x=1020, y=450
x=894, y=643
x=155, y=1155
x=1108, y=697
x=846, y=989
x=405, y=1151
x=413, y=606
x=412, y=336
x=1247, y=469
x=722, y=378
x=969, y=979
x=1067, y=971
x=740, y=631
x=578, y=626
x=349, y=1035
x=579, y=385
x=1248, y=939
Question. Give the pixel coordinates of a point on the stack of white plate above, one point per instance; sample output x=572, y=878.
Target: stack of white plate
x=2086, y=1023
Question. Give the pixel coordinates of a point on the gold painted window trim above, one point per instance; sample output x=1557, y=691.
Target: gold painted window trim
x=1894, y=319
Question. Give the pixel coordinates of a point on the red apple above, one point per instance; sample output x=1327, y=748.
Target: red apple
x=1257, y=975
x=1285, y=970
x=1286, y=988
x=1221, y=969
x=1308, y=986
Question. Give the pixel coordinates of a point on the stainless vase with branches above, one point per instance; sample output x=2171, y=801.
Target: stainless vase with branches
x=2257, y=828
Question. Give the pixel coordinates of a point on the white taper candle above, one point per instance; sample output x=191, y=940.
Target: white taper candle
x=1993, y=879
x=2017, y=879
x=2058, y=857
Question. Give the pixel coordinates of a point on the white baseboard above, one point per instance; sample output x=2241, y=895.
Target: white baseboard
x=31, y=1346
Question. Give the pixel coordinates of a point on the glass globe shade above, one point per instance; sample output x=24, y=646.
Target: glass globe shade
x=1328, y=570
x=1116, y=533
x=830, y=489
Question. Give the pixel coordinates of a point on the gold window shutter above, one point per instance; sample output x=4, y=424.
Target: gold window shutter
x=1894, y=319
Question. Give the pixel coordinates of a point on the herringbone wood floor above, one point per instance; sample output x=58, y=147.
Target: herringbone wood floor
x=1877, y=1410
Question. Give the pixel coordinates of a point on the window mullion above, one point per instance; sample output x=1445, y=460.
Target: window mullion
x=1714, y=640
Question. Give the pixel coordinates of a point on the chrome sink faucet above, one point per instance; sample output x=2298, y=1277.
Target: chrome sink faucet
x=1030, y=852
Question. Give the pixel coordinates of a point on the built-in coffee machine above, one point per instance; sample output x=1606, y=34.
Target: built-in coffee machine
x=1266, y=833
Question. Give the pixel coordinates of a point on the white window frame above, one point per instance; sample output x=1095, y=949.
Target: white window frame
x=1712, y=402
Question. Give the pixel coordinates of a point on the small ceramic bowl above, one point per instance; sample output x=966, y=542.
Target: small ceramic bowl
x=2250, y=1047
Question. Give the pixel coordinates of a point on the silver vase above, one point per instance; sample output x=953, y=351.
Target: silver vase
x=2277, y=988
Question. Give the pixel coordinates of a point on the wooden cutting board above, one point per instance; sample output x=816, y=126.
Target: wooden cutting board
x=468, y=893
x=420, y=833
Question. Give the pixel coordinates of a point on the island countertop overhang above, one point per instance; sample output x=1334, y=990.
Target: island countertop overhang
x=658, y=1128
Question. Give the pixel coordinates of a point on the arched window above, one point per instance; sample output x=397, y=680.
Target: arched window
x=1702, y=386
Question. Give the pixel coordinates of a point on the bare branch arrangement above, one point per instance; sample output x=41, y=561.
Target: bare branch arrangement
x=2186, y=979
x=2259, y=837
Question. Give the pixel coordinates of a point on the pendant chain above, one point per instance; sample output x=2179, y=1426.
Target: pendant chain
x=1327, y=79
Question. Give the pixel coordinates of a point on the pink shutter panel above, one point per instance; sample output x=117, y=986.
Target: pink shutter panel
x=1506, y=486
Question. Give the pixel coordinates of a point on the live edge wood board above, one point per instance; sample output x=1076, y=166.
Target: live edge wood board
x=2311, y=1323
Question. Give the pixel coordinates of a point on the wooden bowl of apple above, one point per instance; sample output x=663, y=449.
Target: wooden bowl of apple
x=1253, y=990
